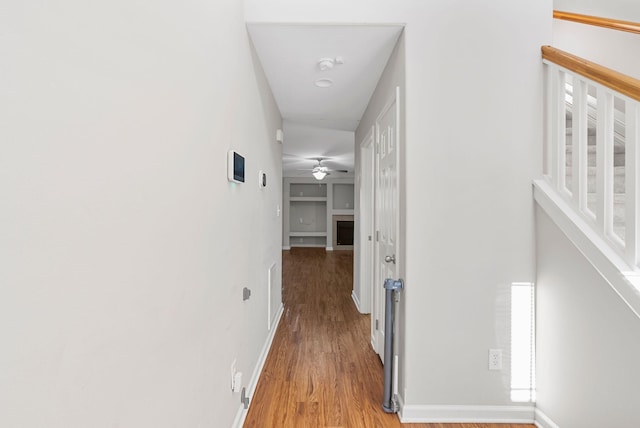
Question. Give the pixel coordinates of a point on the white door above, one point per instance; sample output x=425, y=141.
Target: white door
x=386, y=211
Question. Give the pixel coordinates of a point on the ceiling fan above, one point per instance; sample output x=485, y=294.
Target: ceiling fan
x=320, y=171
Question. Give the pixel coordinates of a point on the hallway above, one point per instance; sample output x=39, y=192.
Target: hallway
x=322, y=371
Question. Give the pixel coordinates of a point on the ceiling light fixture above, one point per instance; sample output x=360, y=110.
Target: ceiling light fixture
x=319, y=175
x=319, y=171
x=324, y=83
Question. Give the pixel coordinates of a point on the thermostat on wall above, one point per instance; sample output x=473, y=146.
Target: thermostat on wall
x=235, y=167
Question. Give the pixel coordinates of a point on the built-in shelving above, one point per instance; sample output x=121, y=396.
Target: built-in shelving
x=343, y=197
x=307, y=233
x=307, y=199
x=310, y=208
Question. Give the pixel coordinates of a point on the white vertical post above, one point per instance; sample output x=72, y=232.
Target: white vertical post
x=286, y=229
x=599, y=161
x=557, y=122
x=604, y=168
x=548, y=119
x=609, y=170
x=632, y=181
x=562, y=131
x=552, y=130
x=579, y=143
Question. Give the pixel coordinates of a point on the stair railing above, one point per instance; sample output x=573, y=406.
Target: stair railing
x=612, y=24
x=591, y=149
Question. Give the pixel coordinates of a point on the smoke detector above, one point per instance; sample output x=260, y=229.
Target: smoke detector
x=326, y=64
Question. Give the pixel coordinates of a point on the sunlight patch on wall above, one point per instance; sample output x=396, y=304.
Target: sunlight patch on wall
x=523, y=342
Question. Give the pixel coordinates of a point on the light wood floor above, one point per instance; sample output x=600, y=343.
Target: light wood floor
x=321, y=370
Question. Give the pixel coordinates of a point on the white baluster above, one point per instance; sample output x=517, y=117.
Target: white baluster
x=609, y=170
x=549, y=72
x=604, y=171
x=559, y=129
x=580, y=144
x=632, y=181
x=562, y=131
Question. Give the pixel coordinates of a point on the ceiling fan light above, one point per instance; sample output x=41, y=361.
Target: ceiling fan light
x=319, y=174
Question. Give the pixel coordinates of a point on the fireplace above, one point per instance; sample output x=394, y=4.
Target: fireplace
x=343, y=232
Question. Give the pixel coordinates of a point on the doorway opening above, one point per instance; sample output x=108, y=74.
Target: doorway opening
x=340, y=88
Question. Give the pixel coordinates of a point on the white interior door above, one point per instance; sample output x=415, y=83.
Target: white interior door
x=386, y=211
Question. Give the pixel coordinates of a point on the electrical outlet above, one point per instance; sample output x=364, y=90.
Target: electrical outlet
x=495, y=359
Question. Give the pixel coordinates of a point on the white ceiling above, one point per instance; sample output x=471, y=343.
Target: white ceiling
x=320, y=122
x=303, y=142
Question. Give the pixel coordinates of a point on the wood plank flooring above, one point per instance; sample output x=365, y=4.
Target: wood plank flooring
x=321, y=370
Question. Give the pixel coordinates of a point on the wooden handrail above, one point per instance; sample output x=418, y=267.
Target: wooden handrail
x=614, y=24
x=610, y=78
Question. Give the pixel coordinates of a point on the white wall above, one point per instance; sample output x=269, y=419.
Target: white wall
x=473, y=144
x=123, y=248
x=472, y=151
x=611, y=48
x=626, y=10
x=587, y=339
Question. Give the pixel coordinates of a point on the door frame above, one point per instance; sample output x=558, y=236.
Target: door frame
x=366, y=221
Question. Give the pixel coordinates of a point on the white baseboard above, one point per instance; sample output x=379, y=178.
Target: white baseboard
x=253, y=382
x=356, y=300
x=400, y=404
x=543, y=421
x=467, y=414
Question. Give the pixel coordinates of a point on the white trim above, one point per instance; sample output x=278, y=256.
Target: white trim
x=467, y=414
x=356, y=301
x=400, y=404
x=543, y=421
x=253, y=382
x=624, y=280
x=364, y=186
